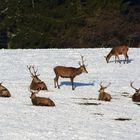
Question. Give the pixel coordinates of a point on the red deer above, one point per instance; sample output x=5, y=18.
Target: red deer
x=36, y=83
x=102, y=94
x=136, y=95
x=116, y=51
x=41, y=101
x=4, y=92
x=69, y=72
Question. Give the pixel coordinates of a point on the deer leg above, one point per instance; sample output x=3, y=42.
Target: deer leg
x=58, y=84
x=72, y=83
x=126, y=58
x=56, y=81
x=115, y=58
x=118, y=59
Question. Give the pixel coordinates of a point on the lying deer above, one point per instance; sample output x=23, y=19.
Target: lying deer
x=41, y=101
x=116, y=51
x=4, y=92
x=136, y=95
x=36, y=83
x=68, y=72
x=102, y=94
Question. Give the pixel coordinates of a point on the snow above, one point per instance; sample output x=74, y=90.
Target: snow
x=70, y=119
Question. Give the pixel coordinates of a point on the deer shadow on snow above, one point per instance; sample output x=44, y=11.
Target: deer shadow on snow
x=77, y=84
x=121, y=61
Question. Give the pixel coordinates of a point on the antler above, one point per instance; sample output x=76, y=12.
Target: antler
x=34, y=71
x=29, y=68
x=105, y=86
x=108, y=85
x=132, y=85
x=82, y=57
x=101, y=85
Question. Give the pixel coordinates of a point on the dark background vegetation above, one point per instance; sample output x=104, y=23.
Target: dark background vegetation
x=69, y=23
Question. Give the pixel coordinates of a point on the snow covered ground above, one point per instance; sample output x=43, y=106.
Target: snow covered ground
x=76, y=115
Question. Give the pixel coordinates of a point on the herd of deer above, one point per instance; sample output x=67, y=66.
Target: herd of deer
x=71, y=72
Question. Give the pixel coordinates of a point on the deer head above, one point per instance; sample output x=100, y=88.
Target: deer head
x=137, y=90
x=82, y=65
x=33, y=73
x=33, y=93
x=136, y=95
x=36, y=83
x=102, y=88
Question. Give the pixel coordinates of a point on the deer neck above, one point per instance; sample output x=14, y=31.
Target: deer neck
x=36, y=80
x=102, y=93
x=33, y=96
x=78, y=71
x=137, y=92
x=2, y=87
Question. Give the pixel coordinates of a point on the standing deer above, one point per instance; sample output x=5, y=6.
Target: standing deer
x=4, y=92
x=36, y=83
x=69, y=72
x=136, y=95
x=116, y=51
x=102, y=94
x=41, y=101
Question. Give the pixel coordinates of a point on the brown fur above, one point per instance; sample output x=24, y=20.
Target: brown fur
x=36, y=83
x=136, y=95
x=41, y=101
x=4, y=92
x=68, y=72
x=103, y=95
x=116, y=51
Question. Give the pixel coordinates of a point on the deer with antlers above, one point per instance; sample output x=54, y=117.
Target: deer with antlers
x=4, y=92
x=69, y=72
x=41, y=101
x=116, y=51
x=104, y=96
x=136, y=95
x=36, y=83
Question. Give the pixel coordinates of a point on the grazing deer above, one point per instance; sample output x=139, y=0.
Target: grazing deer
x=102, y=94
x=41, y=101
x=136, y=95
x=116, y=51
x=4, y=92
x=68, y=72
x=36, y=83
